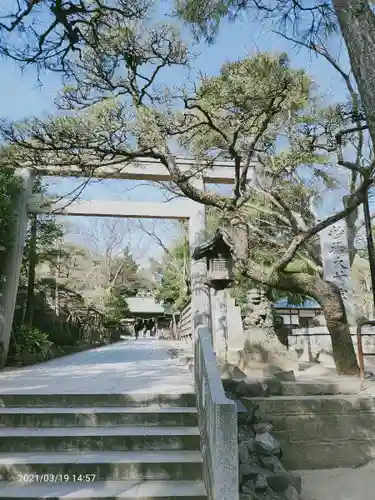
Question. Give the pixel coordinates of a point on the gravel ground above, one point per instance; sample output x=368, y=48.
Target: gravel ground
x=339, y=484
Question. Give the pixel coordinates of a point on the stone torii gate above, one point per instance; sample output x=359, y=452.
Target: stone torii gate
x=142, y=169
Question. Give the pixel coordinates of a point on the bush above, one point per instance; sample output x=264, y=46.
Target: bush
x=62, y=335
x=30, y=344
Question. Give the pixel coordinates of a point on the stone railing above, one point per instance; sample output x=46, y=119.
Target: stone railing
x=185, y=327
x=310, y=342
x=217, y=417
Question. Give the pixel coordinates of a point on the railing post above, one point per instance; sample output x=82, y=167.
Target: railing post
x=217, y=416
x=226, y=452
x=361, y=354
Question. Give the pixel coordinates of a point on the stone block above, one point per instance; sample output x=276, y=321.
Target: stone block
x=303, y=429
x=280, y=423
x=325, y=358
x=245, y=432
x=291, y=494
x=283, y=376
x=304, y=405
x=272, y=386
x=282, y=437
x=229, y=384
x=283, y=406
x=249, y=471
x=246, y=496
x=263, y=350
x=357, y=404
x=98, y=439
x=93, y=400
x=231, y=371
x=71, y=417
x=299, y=456
x=334, y=427
x=320, y=388
x=278, y=482
x=262, y=427
x=168, y=468
x=249, y=388
x=266, y=444
x=362, y=426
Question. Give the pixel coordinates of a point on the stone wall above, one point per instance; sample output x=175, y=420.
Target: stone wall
x=321, y=432
x=262, y=475
x=314, y=431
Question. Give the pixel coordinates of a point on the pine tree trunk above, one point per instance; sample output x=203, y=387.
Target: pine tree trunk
x=357, y=23
x=329, y=297
x=326, y=293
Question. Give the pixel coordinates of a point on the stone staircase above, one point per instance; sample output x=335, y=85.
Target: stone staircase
x=95, y=446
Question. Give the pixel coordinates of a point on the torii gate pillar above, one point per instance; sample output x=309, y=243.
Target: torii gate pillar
x=200, y=293
x=13, y=260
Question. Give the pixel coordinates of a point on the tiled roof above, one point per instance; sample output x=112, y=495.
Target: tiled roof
x=308, y=304
x=145, y=305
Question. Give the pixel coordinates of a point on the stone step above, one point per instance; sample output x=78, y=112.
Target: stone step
x=101, y=466
x=93, y=417
x=348, y=453
x=319, y=404
x=109, y=490
x=317, y=388
x=75, y=400
x=23, y=439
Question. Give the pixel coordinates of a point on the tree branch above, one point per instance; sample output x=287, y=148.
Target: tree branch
x=355, y=200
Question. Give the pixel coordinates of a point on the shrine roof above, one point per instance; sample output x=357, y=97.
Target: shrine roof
x=219, y=241
x=307, y=304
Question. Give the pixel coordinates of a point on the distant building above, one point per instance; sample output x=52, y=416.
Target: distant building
x=292, y=315
x=148, y=308
x=297, y=315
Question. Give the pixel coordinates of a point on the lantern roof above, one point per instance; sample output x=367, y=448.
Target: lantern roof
x=219, y=244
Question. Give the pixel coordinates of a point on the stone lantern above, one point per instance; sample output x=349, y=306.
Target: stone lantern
x=220, y=265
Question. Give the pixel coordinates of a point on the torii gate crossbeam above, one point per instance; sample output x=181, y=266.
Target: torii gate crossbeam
x=98, y=208
x=145, y=169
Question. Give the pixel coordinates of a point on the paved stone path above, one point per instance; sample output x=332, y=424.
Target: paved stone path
x=128, y=367
x=339, y=484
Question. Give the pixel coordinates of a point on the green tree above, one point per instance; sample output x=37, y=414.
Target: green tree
x=310, y=21
x=126, y=276
x=239, y=115
x=76, y=24
x=8, y=191
x=41, y=246
x=116, y=309
x=66, y=27
x=111, y=264
x=174, y=270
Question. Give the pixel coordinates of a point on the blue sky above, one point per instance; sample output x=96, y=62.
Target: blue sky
x=21, y=95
